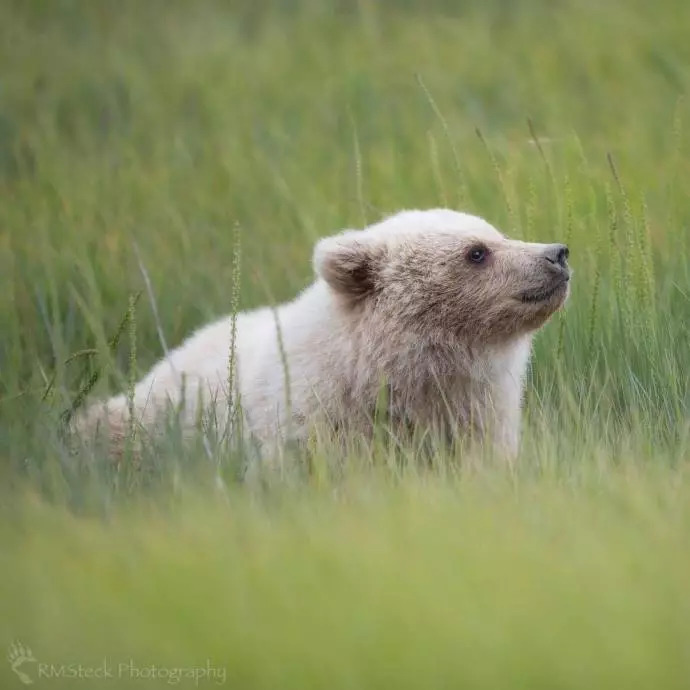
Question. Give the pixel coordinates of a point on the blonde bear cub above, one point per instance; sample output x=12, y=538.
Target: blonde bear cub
x=438, y=304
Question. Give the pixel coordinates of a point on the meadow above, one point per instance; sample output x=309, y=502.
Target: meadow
x=163, y=162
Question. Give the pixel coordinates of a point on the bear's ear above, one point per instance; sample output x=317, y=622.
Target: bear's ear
x=350, y=263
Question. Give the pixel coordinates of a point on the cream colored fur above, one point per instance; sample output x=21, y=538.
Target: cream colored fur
x=400, y=304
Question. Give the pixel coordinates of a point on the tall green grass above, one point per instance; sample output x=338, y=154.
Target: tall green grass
x=162, y=163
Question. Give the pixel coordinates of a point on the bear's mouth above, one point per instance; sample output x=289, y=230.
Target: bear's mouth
x=545, y=294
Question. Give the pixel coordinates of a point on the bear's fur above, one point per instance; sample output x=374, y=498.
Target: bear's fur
x=436, y=305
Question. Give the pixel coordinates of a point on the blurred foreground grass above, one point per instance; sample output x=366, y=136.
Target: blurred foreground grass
x=165, y=124
x=425, y=584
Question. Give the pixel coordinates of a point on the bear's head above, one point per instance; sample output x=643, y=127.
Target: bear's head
x=444, y=275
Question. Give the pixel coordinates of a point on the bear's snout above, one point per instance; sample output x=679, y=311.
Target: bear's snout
x=557, y=255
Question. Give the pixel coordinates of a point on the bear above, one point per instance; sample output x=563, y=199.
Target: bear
x=436, y=307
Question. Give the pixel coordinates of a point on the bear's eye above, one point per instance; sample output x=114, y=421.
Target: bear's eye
x=477, y=254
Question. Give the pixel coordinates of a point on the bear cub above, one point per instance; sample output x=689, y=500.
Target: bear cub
x=437, y=306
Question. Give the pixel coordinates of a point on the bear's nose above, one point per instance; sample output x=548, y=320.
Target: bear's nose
x=557, y=254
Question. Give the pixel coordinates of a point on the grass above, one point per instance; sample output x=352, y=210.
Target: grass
x=141, y=145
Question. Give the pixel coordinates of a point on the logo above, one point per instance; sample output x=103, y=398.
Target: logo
x=29, y=670
x=19, y=656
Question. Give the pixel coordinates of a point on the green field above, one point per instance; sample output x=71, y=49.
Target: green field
x=148, y=140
